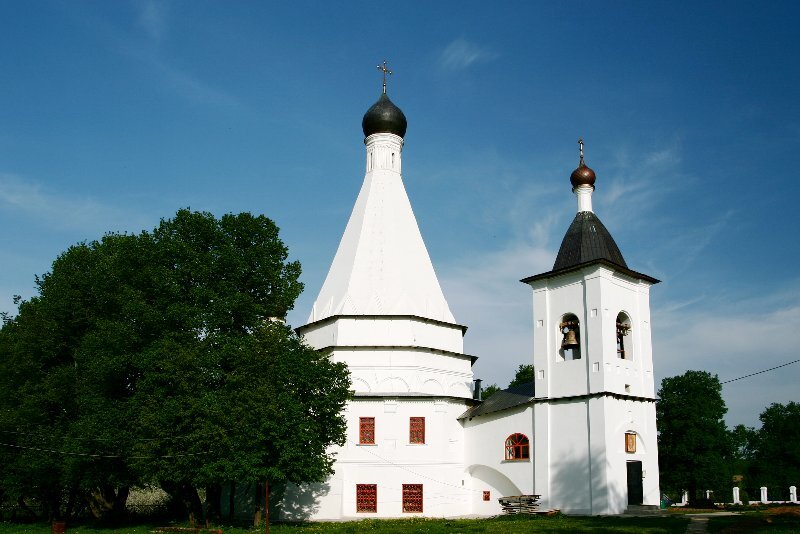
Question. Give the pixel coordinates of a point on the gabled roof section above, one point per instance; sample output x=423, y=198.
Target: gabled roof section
x=382, y=266
x=502, y=400
x=587, y=240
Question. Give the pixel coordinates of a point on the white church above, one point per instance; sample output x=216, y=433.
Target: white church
x=420, y=442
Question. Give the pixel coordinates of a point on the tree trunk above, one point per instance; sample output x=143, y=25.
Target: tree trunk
x=108, y=502
x=232, y=502
x=258, y=505
x=73, y=496
x=186, y=495
x=213, y=502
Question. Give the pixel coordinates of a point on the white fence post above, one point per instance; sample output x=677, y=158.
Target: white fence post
x=764, y=499
x=793, y=493
x=736, y=499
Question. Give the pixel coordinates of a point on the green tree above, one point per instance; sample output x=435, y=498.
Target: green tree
x=162, y=358
x=523, y=376
x=693, y=443
x=489, y=390
x=775, y=455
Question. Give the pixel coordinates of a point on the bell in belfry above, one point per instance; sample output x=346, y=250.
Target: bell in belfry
x=570, y=339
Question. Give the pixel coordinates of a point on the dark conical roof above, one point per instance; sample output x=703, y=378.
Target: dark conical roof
x=587, y=240
x=384, y=117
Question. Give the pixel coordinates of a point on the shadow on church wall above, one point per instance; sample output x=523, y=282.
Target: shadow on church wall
x=241, y=502
x=577, y=489
x=299, y=502
x=496, y=480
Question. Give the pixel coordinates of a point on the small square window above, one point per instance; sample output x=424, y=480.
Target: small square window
x=486, y=495
x=416, y=430
x=367, y=498
x=630, y=442
x=366, y=432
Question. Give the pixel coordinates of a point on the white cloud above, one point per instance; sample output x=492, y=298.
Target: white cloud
x=461, y=54
x=153, y=18
x=733, y=339
x=61, y=212
x=486, y=295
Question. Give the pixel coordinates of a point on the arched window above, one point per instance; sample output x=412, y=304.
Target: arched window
x=624, y=346
x=517, y=447
x=570, y=329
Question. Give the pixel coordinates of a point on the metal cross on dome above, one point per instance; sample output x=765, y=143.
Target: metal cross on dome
x=385, y=72
x=580, y=145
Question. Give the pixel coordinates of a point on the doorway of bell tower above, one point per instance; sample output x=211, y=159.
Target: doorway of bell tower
x=635, y=490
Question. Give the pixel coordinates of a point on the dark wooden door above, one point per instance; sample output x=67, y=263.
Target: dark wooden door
x=635, y=490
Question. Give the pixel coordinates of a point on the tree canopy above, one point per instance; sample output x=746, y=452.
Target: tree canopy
x=162, y=358
x=523, y=375
x=693, y=442
x=775, y=456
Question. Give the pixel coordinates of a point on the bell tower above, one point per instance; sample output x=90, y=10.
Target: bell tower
x=595, y=433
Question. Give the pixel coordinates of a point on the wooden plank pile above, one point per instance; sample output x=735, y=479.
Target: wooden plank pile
x=520, y=504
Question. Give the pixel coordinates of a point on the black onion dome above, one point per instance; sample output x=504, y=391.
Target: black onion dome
x=384, y=117
x=587, y=240
x=583, y=175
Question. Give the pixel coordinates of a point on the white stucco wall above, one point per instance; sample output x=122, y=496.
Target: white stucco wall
x=391, y=462
x=486, y=466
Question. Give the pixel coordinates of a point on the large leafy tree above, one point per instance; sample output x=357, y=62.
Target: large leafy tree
x=162, y=358
x=693, y=443
x=523, y=375
x=775, y=454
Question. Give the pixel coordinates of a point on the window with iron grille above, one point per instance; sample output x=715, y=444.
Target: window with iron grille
x=366, y=434
x=412, y=498
x=486, y=496
x=416, y=430
x=367, y=498
x=630, y=442
x=517, y=447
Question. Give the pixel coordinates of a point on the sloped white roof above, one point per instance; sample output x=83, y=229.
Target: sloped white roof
x=382, y=266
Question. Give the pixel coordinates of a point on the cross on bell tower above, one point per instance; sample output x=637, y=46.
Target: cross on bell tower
x=385, y=71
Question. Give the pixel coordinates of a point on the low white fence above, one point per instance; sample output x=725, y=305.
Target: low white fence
x=764, y=498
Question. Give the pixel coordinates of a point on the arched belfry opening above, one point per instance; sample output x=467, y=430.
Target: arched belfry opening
x=570, y=329
x=624, y=342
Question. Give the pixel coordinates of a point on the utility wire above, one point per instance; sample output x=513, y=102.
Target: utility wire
x=89, y=438
x=759, y=372
x=90, y=455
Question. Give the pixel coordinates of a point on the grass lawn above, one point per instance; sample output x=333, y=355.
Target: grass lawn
x=500, y=525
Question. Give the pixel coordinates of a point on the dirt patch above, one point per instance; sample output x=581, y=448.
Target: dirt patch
x=783, y=511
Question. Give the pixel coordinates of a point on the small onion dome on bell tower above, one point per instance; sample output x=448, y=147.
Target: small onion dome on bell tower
x=583, y=175
x=384, y=116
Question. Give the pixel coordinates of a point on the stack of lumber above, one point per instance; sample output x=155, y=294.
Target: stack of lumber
x=520, y=504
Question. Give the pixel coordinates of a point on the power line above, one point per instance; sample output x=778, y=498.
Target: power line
x=759, y=372
x=116, y=440
x=109, y=456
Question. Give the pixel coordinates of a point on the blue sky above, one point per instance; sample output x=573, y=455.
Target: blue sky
x=116, y=114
